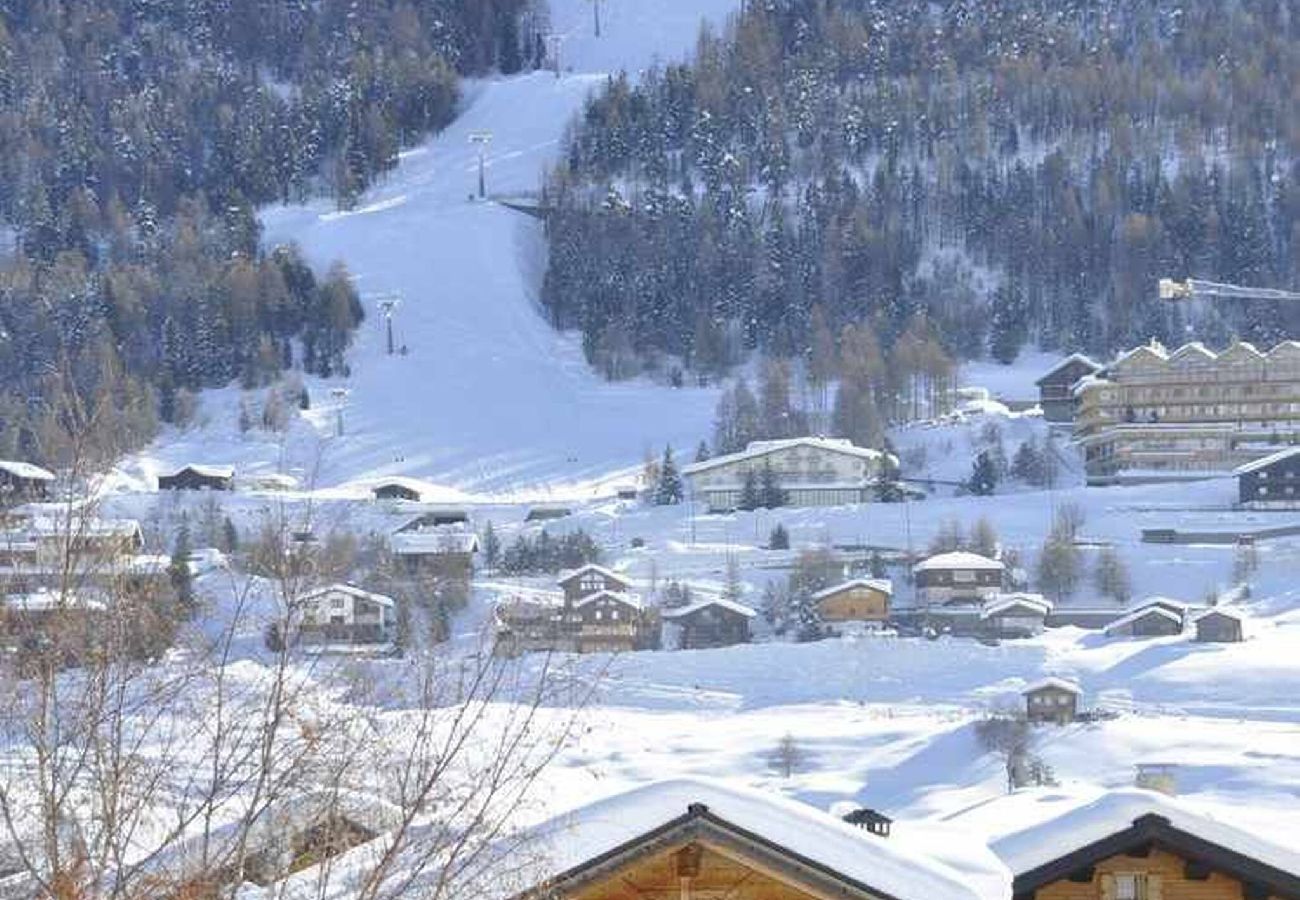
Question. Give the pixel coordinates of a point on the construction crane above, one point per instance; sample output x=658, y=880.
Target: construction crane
x=1195, y=289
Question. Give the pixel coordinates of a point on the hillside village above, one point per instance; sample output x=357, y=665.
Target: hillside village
x=467, y=611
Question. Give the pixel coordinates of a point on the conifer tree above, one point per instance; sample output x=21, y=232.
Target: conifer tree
x=669, y=488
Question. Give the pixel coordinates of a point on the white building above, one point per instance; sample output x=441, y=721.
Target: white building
x=344, y=613
x=811, y=471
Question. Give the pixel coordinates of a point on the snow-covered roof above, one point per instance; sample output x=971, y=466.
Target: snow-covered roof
x=677, y=612
x=1004, y=602
x=26, y=470
x=351, y=590
x=626, y=599
x=1216, y=611
x=762, y=448
x=566, y=843
x=1265, y=461
x=206, y=471
x=85, y=527
x=884, y=585
x=958, y=559
x=1052, y=681
x=1072, y=358
x=1154, y=609
x=1115, y=812
x=433, y=542
x=608, y=574
x=45, y=600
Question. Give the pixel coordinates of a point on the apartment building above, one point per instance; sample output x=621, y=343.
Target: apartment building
x=1155, y=414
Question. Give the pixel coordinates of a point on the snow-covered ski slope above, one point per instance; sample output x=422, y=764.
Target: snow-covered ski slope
x=489, y=397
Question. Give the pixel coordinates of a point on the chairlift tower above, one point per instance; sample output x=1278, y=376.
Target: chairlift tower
x=595, y=10
x=554, y=41
x=1194, y=289
x=340, y=395
x=481, y=139
x=388, y=304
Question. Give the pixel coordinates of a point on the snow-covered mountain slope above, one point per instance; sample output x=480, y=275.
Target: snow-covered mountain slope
x=489, y=397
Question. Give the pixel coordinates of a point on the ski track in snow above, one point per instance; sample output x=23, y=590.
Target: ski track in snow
x=489, y=396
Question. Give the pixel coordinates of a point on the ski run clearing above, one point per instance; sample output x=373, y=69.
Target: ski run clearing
x=491, y=408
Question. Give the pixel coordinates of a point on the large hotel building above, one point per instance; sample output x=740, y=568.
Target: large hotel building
x=1154, y=414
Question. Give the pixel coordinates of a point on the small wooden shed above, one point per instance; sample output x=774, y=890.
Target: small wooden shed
x=1053, y=700
x=859, y=600
x=1218, y=626
x=198, y=478
x=714, y=622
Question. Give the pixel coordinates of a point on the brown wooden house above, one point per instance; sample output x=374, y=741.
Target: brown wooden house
x=1139, y=845
x=1052, y=700
x=1218, y=626
x=713, y=622
x=860, y=600
x=397, y=489
x=1155, y=619
x=590, y=579
x=607, y=622
x=1272, y=482
x=22, y=481
x=704, y=841
x=198, y=478
x=958, y=578
x=1056, y=388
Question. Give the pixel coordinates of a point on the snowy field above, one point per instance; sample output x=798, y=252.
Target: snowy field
x=489, y=405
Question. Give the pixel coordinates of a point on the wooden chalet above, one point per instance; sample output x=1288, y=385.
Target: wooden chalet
x=859, y=600
x=1015, y=615
x=345, y=614
x=441, y=557
x=1218, y=626
x=1141, y=845
x=607, y=622
x=702, y=840
x=712, y=622
x=547, y=513
x=198, y=478
x=397, y=489
x=1052, y=700
x=589, y=579
x=1159, y=618
x=22, y=481
x=438, y=517
x=1056, y=388
x=958, y=578
x=1272, y=482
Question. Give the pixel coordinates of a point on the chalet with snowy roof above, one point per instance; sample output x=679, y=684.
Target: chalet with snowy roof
x=1014, y=615
x=870, y=820
x=22, y=481
x=810, y=471
x=608, y=622
x=711, y=622
x=1160, y=618
x=958, y=578
x=590, y=579
x=702, y=839
x=1218, y=626
x=397, y=489
x=1271, y=482
x=859, y=600
x=1052, y=700
x=345, y=614
x=1056, y=387
x=198, y=478
x=437, y=517
x=1141, y=845
x=440, y=558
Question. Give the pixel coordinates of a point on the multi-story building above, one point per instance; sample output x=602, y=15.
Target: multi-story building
x=1155, y=414
x=810, y=471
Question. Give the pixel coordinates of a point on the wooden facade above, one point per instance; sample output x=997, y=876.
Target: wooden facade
x=1154, y=620
x=1154, y=860
x=860, y=600
x=590, y=579
x=1272, y=482
x=22, y=481
x=958, y=578
x=1052, y=701
x=1056, y=388
x=710, y=623
x=198, y=478
x=1218, y=627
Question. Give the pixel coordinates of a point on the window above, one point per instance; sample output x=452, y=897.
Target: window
x=1131, y=887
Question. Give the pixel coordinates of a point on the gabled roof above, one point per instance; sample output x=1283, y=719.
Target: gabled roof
x=1127, y=819
x=1072, y=358
x=958, y=559
x=758, y=449
x=1193, y=351
x=607, y=574
x=1144, y=612
x=351, y=590
x=884, y=585
x=678, y=612
x=26, y=470
x=1219, y=613
x=1052, y=681
x=618, y=596
x=1265, y=461
x=1004, y=602
x=592, y=842
x=206, y=471
x=433, y=542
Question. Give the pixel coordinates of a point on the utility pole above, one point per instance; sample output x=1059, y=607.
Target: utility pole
x=595, y=9
x=340, y=395
x=481, y=139
x=388, y=304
